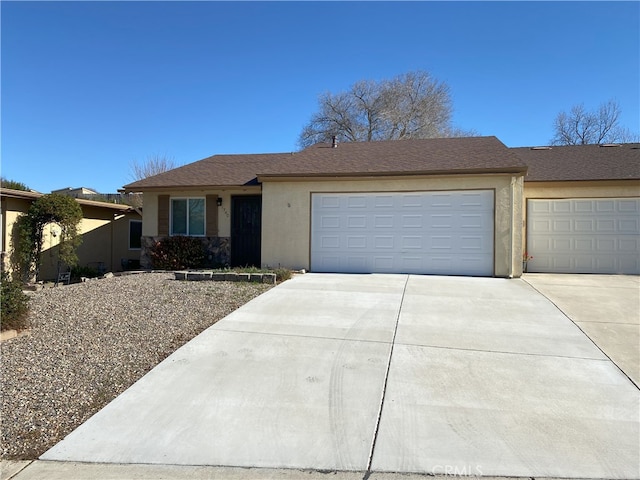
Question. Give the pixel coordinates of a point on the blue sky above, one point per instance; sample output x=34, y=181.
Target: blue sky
x=89, y=87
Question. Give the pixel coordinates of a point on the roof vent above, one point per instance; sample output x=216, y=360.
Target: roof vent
x=334, y=142
x=610, y=145
x=540, y=148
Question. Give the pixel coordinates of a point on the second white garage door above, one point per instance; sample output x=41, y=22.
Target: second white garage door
x=584, y=235
x=446, y=232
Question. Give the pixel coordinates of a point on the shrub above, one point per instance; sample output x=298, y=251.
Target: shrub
x=177, y=253
x=15, y=304
x=78, y=272
x=282, y=274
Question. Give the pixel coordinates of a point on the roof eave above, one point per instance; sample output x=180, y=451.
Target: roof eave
x=519, y=170
x=601, y=179
x=24, y=195
x=161, y=188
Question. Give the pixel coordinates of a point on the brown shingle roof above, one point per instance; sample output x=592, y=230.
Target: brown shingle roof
x=218, y=170
x=430, y=156
x=581, y=162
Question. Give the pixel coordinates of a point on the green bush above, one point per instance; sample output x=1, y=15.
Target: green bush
x=15, y=305
x=78, y=272
x=178, y=253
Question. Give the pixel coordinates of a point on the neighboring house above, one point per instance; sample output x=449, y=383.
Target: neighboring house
x=134, y=200
x=583, y=208
x=111, y=234
x=439, y=206
x=75, y=192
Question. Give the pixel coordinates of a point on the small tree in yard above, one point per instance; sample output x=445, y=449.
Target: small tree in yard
x=54, y=208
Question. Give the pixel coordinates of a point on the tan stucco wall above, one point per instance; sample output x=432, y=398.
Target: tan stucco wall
x=105, y=242
x=606, y=189
x=559, y=190
x=12, y=208
x=150, y=207
x=120, y=245
x=286, y=214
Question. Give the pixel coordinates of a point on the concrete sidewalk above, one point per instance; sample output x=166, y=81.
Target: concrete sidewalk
x=373, y=374
x=50, y=470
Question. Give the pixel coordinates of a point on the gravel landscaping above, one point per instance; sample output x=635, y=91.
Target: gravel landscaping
x=91, y=341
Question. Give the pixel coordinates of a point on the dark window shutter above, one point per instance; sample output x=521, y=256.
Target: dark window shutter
x=163, y=215
x=212, y=216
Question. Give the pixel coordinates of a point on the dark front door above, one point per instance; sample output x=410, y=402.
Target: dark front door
x=246, y=217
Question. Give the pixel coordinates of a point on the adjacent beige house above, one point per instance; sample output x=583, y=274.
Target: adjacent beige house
x=111, y=234
x=458, y=206
x=582, y=208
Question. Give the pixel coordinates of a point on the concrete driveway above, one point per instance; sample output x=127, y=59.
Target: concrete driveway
x=605, y=307
x=381, y=373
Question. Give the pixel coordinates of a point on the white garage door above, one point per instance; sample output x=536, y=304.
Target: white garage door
x=411, y=232
x=585, y=235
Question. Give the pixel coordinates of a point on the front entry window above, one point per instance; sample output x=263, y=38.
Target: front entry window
x=187, y=216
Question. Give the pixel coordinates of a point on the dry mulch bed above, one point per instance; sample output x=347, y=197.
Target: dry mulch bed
x=91, y=341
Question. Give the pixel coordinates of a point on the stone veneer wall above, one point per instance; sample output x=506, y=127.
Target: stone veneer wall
x=218, y=248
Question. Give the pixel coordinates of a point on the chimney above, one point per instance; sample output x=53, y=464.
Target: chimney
x=334, y=142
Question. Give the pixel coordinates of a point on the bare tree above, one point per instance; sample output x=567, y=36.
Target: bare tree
x=153, y=165
x=411, y=105
x=583, y=127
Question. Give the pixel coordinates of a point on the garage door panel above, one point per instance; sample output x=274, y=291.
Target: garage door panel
x=628, y=206
x=471, y=201
x=584, y=235
x=358, y=242
x=541, y=225
x=629, y=245
x=585, y=206
x=357, y=202
x=384, y=201
x=629, y=226
x=412, y=221
x=416, y=232
x=605, y=206
x=584, y=226
x=383, y=242
x=328, y=242
x=604, y=245
x=412, y=242
x=584, y=245
x=412, y=201
x=561, y=226
x=330, y=221
x=561, y=207
x=606, y=226
x=330, y=202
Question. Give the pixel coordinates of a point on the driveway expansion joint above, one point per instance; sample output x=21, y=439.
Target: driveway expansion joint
x=577, y=324
x=384, y=384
